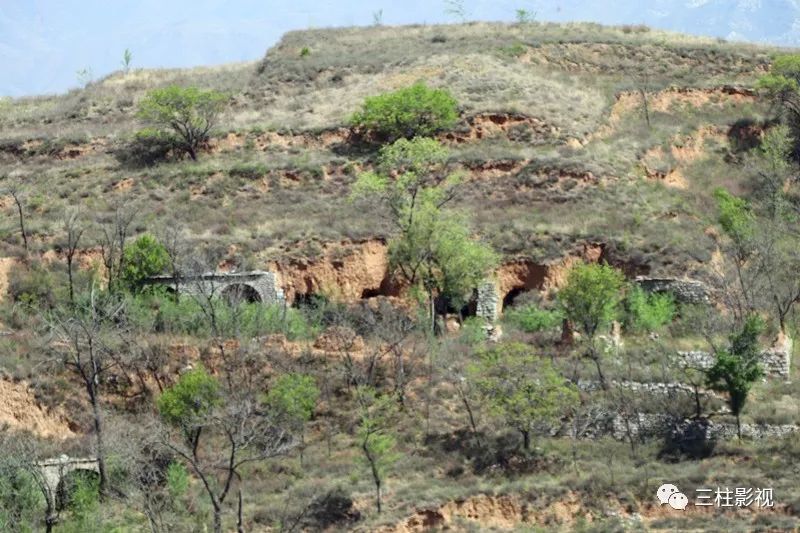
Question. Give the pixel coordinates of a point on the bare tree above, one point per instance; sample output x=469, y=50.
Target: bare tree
x=150, y=482
x=173, y=239
x=83, y=340
x=243, y=431
x=642, y=84
x=18, y=193
x=114, y=235
x=73, y=230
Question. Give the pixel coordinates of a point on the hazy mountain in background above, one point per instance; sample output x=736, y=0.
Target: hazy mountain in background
x=766, y=21
x=43, y=43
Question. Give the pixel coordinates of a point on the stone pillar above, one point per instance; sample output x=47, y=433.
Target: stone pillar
x=488, y=305
x=777, y=360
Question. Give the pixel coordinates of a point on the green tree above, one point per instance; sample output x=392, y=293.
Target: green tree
x=737, y=368
x=188, y=113
x=293, y=398
x=738, y=222
x=521, y=388
x=415, y=111
x=782, y=86
x=20, y=498
x=143, y=258
x=591, y=300
x=236, y=425
x=186, y=404
x=774, y=170
x=434, y=250
x=525, y=16
x=127, y=58
x=374, y=436
x=763, y=241
x=648, y=312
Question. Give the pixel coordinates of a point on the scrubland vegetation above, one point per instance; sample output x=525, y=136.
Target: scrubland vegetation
x=553, y=163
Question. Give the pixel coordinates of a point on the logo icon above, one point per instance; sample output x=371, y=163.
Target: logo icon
x=669, y=494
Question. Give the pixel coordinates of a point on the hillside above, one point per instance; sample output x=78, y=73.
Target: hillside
x=577, y=143
x=570, y=130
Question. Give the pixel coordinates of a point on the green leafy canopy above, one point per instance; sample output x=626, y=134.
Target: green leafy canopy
x=188, y=113
x=520, y=387
x=592, y=295
x=408, y=112
x=294, y=396
x=193, y=396
x=144, y=258
x=737, y=369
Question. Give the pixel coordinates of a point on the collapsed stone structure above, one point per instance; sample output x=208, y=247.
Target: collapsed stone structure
x=253, y=286
x=649, y=426
x=775, y=361
x=490, y=301
x=685, y=290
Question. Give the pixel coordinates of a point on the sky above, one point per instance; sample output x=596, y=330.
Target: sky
x=44, y=43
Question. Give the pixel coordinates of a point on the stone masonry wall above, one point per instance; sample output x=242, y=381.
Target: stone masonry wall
x=775, y=361
x=685, y=290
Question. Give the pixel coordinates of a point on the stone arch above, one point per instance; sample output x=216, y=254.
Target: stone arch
x=53, y=471
x=236, y=293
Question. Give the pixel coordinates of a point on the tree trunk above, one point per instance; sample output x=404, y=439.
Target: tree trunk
x=217, y=518
x=432, y=306
x=375, y=474
x=98, y=430
x=71, y=283
x=239, y=514
x=596, y=358
x=192, y=153
x=378, y=494
x=526, y=439
x=21, y=221
x=738, y=427
x=468, y=407
x=400, y=378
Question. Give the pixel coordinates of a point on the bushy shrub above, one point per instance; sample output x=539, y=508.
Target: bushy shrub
x=648, y=311
x=333, y=508
x=532, y=319
x=472, y=332
x=33, y=285
x=142, y=259
x=415, y=111
x=146, y=148
x=248, y=171
x=157, y=310
x=19, y=498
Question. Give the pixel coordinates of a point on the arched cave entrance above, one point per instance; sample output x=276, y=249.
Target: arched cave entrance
x=240, y=293
x=511, y=296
